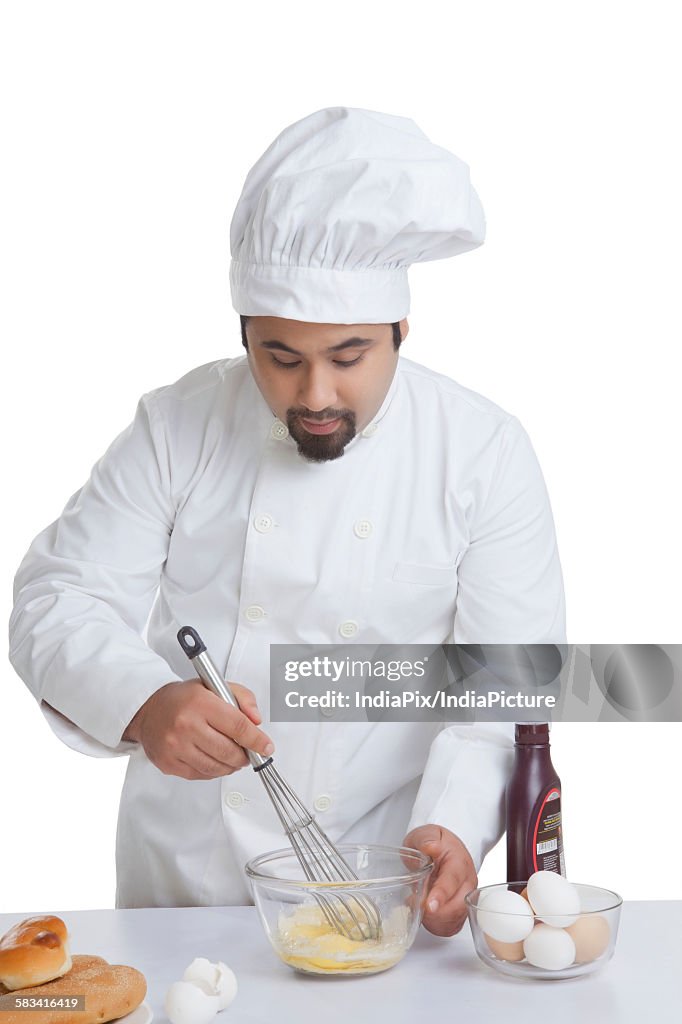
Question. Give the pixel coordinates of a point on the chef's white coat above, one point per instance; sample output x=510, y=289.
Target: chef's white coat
x=434, y=526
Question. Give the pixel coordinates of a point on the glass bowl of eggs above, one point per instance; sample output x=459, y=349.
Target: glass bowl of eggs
x=342, y=928
x=547, y=928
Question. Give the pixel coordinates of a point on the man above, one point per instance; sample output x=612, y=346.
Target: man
x=319, y=489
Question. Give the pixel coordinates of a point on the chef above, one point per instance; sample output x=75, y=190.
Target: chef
x=319, y=489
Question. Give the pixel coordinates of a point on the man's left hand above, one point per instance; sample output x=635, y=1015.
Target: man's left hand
x=453, y=876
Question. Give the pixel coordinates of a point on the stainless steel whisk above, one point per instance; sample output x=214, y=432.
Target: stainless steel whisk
x=352, y=914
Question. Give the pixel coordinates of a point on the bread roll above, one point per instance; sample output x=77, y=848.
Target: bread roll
x=110, y=991
x=34, y=951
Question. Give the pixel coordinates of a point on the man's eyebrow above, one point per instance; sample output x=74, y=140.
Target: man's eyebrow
x=279, y=346
x=351, y=343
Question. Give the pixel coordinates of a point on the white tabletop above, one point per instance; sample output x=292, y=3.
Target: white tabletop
x=439, y=979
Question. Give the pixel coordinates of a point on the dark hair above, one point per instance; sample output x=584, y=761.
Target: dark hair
x=396, y=333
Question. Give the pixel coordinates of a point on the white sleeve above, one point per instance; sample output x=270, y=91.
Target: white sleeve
x=464, y=783
x=510, y=590
x=84, y=591
x=510, y=587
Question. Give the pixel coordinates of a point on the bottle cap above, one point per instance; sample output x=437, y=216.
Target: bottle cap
x=532, y=732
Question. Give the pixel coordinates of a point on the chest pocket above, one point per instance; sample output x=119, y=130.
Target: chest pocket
x=414, y=602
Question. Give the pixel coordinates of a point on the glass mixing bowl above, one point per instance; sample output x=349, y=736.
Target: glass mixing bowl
x=291, y=908
x=593, y=935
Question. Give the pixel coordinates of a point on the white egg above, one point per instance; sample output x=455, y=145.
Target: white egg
x=553, y=899
x=189, y=1003
x=550, y=948
x=505, y=915
x=215, y=979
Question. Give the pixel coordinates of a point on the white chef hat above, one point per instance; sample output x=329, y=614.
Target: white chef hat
x=336, y=210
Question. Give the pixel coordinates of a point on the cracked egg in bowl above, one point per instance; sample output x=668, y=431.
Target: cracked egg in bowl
x=355, y=927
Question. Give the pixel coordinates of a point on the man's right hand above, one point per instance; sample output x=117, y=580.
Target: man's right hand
x=188, y=731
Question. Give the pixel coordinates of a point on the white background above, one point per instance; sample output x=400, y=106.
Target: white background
x=128, y=129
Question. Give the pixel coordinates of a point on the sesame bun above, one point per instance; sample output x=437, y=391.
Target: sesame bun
x=109, y=990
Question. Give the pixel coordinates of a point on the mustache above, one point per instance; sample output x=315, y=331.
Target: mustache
x=324, y=416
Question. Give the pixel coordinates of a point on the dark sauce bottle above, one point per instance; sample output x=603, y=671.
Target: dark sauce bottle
x=534, y=832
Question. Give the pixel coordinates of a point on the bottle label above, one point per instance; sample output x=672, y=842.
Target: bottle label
x=548, y=847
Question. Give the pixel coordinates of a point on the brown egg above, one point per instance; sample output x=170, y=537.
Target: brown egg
x=505, y=950
x=524, y=893
x=591, y=936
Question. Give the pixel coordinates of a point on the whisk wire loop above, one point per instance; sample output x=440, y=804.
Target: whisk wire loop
x=351, y=914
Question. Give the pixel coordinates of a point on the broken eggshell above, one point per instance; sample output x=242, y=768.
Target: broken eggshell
x=215, y=979
x=188, y=1002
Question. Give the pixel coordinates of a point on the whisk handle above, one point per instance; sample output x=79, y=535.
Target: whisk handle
x=196, y=651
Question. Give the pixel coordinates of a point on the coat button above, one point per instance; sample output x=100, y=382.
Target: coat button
x=348, y=629
x=322, y=802
x=235, y=799
x=370, y=429
x=362, y=528
x=263, y=522
x=279, y=430
x=254, y=613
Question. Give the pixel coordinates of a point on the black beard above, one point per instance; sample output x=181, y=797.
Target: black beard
x=321, y=447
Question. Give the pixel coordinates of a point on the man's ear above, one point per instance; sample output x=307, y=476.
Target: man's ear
x=404, y=329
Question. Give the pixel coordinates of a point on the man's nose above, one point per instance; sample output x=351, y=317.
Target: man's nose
x=318, y=389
